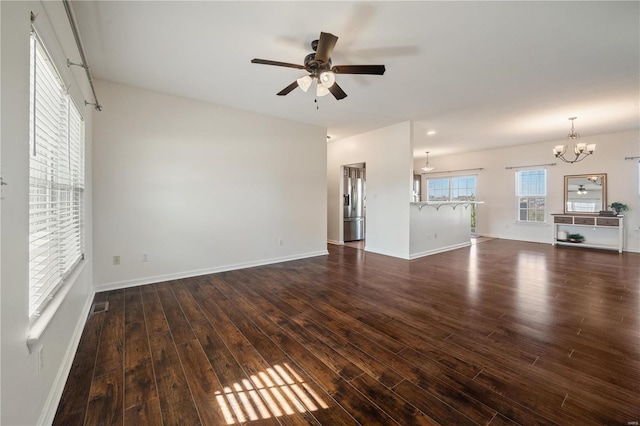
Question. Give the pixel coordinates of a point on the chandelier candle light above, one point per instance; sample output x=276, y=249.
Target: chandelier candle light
x=581, y=150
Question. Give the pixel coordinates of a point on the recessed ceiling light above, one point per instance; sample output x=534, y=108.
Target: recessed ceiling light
x=431, y=132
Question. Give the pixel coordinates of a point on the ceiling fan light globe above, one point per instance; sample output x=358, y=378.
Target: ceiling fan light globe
x=321, y=90
x=304, y=82
x=327, y=79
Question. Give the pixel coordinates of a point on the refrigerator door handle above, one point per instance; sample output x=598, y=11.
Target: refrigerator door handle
x=346, y=199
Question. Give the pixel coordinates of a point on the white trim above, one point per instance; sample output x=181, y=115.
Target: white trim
x=439, y=250
x=335, y=242
x=187, y=274
x=39, y=324
x=48, y=412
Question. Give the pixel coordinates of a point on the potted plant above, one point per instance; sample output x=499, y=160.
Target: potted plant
x=575, y=238
x=619, y=207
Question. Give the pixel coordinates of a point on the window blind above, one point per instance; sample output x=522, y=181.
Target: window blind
x=56, y=181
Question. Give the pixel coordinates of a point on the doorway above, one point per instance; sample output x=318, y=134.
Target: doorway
x=354, y=209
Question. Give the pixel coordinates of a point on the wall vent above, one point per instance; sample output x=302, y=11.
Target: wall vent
x=99, y=307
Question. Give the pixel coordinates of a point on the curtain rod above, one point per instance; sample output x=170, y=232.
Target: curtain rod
x=83, y=58
x=631, y=158
x=532, y=165
x=452, y=171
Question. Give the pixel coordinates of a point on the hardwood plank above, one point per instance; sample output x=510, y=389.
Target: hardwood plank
x=361, y=408
x=323, y=406
x=254, y=365
x=139, y=381
x=153, y=312
x=180, y=328
x=343, y=323
x=147, y=413
x=75, y=396
x=399, y=409
x=133, y=311
x=176, y=403
x=206, y=388
x=227, y=370
x=443, y=383
x=111, y=347
x=265, y=347
x=105, y=400
x=367, y=363
x=188, y=304
x=91, y=333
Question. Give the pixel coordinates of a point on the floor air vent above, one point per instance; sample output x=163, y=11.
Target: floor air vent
x=99, y=307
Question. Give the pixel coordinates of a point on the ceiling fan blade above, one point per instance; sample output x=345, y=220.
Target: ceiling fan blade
x=326, y=43
x=359, y=69
x=288, y=89
x=276, y=63
x=337, y=91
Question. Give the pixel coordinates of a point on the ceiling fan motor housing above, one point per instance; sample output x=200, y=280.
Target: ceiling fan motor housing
x=315, y=67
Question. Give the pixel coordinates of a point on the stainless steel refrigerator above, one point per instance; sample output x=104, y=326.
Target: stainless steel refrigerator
x=354, y=204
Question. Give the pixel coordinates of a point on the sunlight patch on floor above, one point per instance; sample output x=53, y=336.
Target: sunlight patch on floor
x=278, y=390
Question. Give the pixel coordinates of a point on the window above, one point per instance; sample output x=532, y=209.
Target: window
x=56, y=181
x=461, y=188
x=531, y=195
x=438, y=189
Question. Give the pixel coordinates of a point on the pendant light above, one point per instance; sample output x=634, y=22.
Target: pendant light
x=427, y=168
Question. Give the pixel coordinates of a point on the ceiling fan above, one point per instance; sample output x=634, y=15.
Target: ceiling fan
x=319, y=67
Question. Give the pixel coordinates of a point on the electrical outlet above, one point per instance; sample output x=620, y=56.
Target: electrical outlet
x=116, y=260
x=40, y=359
x=144, y=257
x=281, y=242
x=435, y=235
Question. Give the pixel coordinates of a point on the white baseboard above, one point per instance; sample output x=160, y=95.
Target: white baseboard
x=439, y=250
x=385, y=253
x=53, y=400
x=187, y=274
x=335, y=242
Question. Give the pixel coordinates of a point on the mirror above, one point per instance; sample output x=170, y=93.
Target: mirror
x=585, y=194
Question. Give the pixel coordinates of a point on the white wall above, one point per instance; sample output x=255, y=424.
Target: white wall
x=200, y=188
x=496, y=186
x=437, y=230
x=387, y=154
x=27, y=397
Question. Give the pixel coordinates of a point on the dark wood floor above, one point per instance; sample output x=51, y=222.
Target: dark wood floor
x=502, y=332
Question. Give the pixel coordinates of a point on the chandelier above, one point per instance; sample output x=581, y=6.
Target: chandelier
x=581, y=150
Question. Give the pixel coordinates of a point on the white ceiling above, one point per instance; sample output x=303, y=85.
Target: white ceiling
x=482, y=74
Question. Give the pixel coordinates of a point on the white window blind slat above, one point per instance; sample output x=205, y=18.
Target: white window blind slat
x=56, y=184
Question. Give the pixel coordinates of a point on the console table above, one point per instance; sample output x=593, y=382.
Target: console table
x=600, y=232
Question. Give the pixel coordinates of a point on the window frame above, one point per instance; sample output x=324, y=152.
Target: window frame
x=56, y=180
x=526, y=197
